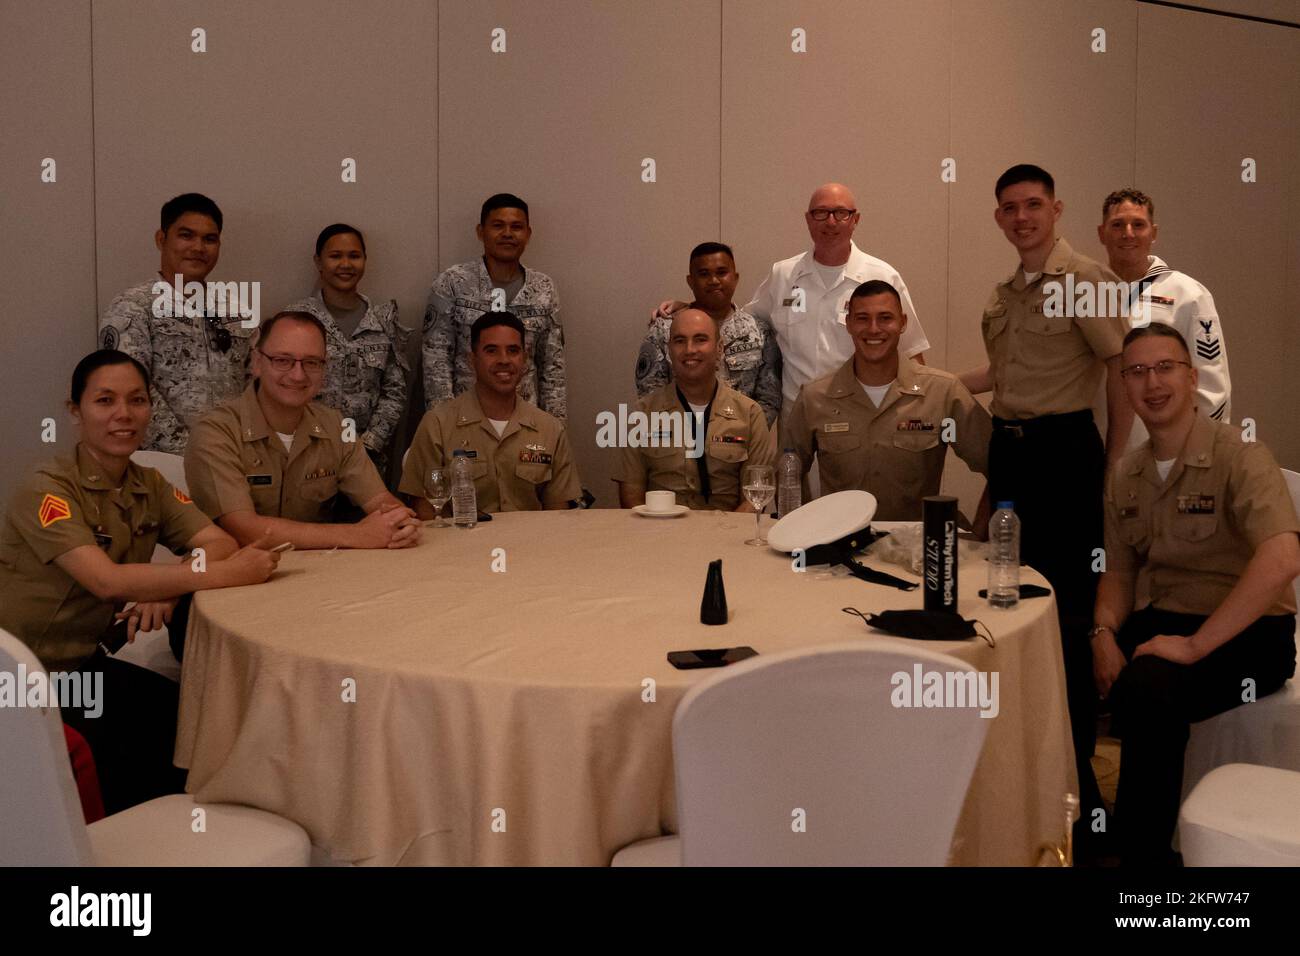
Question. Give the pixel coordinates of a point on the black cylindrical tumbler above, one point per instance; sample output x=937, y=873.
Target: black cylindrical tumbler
x=939, y=555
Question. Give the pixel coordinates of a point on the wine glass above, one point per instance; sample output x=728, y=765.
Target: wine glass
x=759, y=485
x=438, y=489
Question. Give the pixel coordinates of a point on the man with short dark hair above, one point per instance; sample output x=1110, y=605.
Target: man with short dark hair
x=1128, y=230
x=1208, y=521
x=751, y=361
x=1047, y=359
x=519, y=455
x=496, y=282
x=882, y=424
x=272, y=462
x=195, y=362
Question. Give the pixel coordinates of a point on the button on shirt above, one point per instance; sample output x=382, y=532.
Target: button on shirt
x=67, y=504
x=1042, y=364
x=813, y=341
x=737, y=437
x=896, y=451
x=235, y=462
x=530, y=466
x=1193, y=534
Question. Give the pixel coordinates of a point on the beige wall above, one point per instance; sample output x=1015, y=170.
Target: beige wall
x=740, y=127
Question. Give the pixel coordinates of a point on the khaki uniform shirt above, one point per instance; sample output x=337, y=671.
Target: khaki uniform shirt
x=67, y=504
x=1050, y=365
x=737, y=436
x=236, y=462
x=1193, y=534
x=896, y=451
x=529, y=467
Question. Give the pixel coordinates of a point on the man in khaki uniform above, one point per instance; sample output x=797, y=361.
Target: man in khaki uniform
x=735, y=434
x=273, y=461
x=881, y=425
x=519, y=454
x=1209, y=522
x=1051, y=338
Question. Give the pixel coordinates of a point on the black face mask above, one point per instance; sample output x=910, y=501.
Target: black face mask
x=922, y=625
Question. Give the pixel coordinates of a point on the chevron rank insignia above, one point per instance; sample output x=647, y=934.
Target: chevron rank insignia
x=1208, y=347
x=182, y=497
x=52, y=509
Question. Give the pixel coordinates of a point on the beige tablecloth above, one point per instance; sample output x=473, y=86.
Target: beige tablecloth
x=420, y=707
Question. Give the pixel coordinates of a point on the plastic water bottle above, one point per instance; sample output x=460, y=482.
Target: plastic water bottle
x=464, y=500
x=1004, y=557
x=789, y=477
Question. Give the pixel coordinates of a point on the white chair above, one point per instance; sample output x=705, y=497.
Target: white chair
x=42, y=823
x=1242, y=815
x=172, y=467
x=151, y=649
x=813, y=736
x=1265, y=732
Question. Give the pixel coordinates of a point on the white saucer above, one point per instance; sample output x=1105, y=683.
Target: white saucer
x=677, y=512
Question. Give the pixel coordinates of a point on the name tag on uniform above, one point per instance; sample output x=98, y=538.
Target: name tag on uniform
x=468, y=452
x=535, y=457
x=1129, y=512
x=1196, y=504
x=260, y=479
x=831, y=427
x=103, y=538
x=914, y=425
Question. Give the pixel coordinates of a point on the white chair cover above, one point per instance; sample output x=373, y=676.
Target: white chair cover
x=1242, y=815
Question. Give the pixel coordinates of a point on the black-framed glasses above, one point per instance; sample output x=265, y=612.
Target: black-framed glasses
x=1162, y=369
x=219, y=336
x=283, y=363
x=840, y=213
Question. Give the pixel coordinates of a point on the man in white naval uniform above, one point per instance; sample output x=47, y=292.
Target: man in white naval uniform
x=1128, y=229
x=806, y=297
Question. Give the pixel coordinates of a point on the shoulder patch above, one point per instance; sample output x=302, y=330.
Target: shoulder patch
x=109, y=338
x=52, y=509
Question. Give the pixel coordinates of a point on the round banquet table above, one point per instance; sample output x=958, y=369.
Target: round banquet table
x=482, y=698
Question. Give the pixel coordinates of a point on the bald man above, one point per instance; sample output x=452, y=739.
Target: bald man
x=731, y=427
x=806, y=297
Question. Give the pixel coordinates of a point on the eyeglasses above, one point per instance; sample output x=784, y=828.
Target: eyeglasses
x=1162, y=369
x=218, y=335
x=841, y=214
x=283, y=363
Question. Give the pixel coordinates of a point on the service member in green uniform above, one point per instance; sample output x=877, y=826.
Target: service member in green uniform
x=75, y=572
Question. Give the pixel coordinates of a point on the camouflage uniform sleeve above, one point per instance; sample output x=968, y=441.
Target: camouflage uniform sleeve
x=552, y=390
x=652, y=366
x=392, y=392
x=125, y=326
x=767, y=388
x=438, y=350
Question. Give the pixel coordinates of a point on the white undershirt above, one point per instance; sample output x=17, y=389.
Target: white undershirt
x=286, y=440
x=830, y=275
x=499, y=426
x=876, y=393
x=1031, y=276
x=1163, y=468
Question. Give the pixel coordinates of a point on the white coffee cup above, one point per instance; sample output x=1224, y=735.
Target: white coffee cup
x=660, y=501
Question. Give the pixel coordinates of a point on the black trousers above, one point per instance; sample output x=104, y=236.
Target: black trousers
x=134, y=736
x=1053, y=469
x=1154, y=703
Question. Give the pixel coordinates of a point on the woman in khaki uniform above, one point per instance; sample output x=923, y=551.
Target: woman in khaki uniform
x=75, y=575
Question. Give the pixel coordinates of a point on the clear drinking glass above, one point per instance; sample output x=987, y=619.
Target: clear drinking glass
x=437, y=493
x=759, y=484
